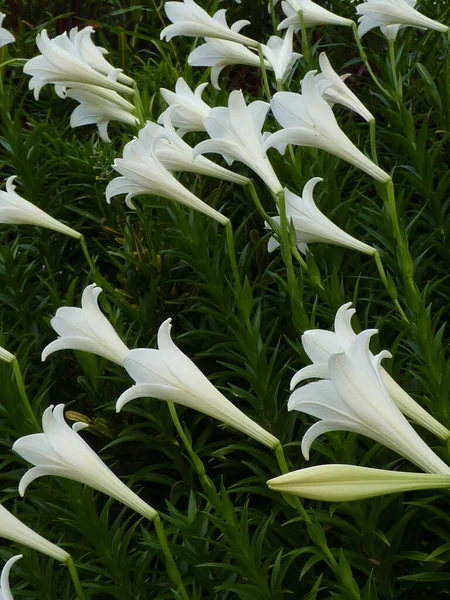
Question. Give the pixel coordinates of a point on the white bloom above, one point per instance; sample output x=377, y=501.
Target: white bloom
x=279, y=54
x=94, y=55
x=352, y=397
x=15, y=210
x=333, y=89
x=190, y=19
x=5, y=590
x=62, y=63
x=218, y=54
x=189, y=110
x=236, y=134
x=5, y=36
x=313, y=14
x=390, y=15
x=344, y=483
x=96, y=109
x=86, y=329
x=320, y=344
x=60, y=451
x=13, y=529
x=168, y=374
x=143, y=173
x=6, y=356
x=176, y=155
x=313, y=226
x=309, y=121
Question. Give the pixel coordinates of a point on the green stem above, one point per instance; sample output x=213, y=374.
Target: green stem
x=285, y=241
x=264, y=73
x=260, y=208
x=363, y=56
x=392, y=211
x=273, y=15
x=293, y=501
x=75, y=579
x=373, y=140
x=171, y=567
x=395, y=77
x=100, y=280
x=23, y=394
x=306, y=50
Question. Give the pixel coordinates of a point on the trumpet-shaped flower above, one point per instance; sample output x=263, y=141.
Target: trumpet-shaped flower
x=86, y=329
x=94, y=55
x=60, y=451
x=143, y=173
x=344, y=483
x=5, y=36
x=189, y=110
x=333, y=89
x=319, y=345
x=6, y=356
x=309, y=121
x=168, y=374
x=313, y=14
x=218, y=54
x=190, y=19
x=18, y=211
x=5, y=590
x=313, y=226
x=352, y=397
x=280, y=55
x=236, y=135
x=61, y=62
x=13, y=529
x=176, y=155
x=98, y=110
x=391, y=15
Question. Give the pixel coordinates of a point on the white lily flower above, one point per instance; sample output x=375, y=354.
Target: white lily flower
x=352, y=397
x=345, y=483
x=218, y=54
x=61, y=63
x=332, y=88
x=320, y=344
x=189, y=110
x=5, y=590
x=280, y=55
x=190, y=19
x=313, y=14
x=96, y=109
x=391, y=15
x=60, y=451
x=5, y=36
x=168, y=374
x=86, y=329
x=13, y=529
x=313, y=226
x=144, y=173
x=309, y=121
x=18, y=211
x=176, y=155
x=236, y=135
x=6, y=356
x=94, y=55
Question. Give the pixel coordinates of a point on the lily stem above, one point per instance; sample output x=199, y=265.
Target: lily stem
x=23, y=394
x=171, y=567
x=365, y=60
x=273, y=15
x=232, y=256
x=395, y=76
x=75, y=579
x=264, y=73
x=306, y=50
x=389, y=285
x=138, y=106
x=373, y=140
